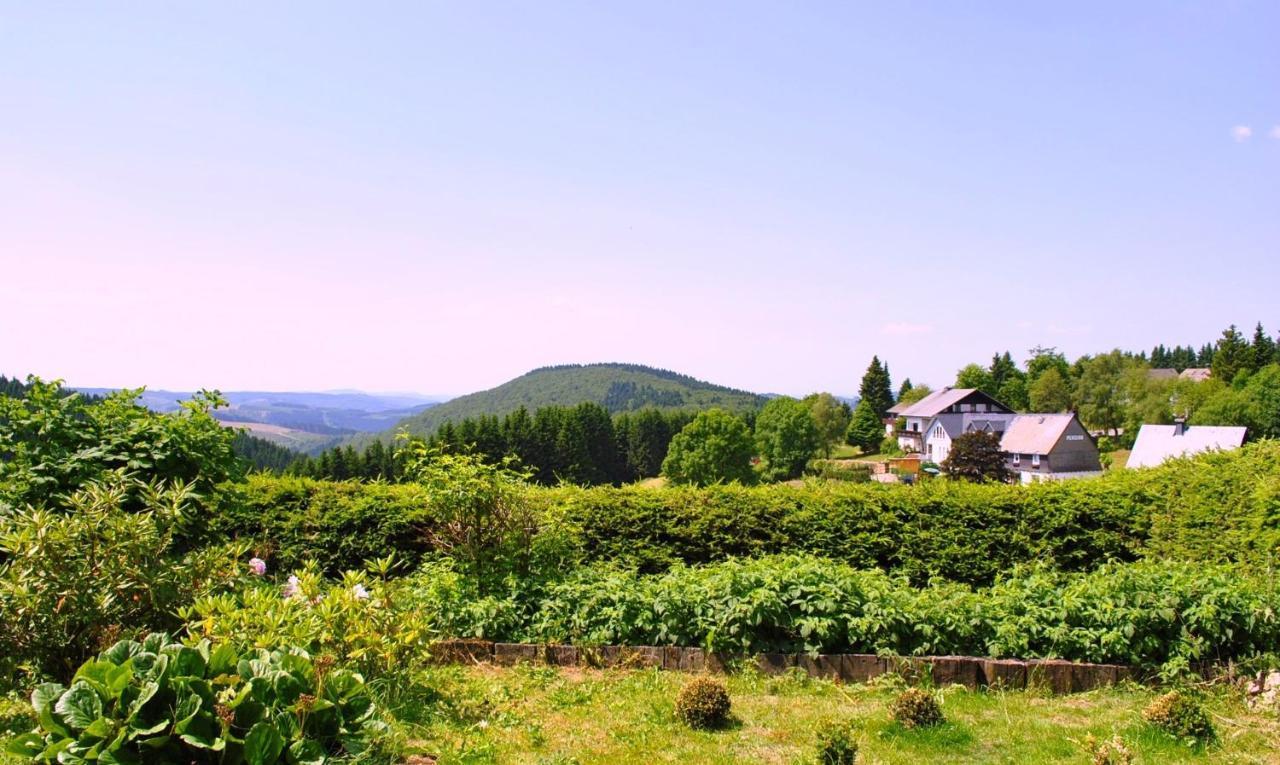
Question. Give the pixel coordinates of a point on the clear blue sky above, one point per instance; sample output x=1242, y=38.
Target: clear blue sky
x=440, y=197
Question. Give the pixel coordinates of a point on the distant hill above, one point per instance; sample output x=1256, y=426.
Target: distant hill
x=618, y=387
x=302, y=421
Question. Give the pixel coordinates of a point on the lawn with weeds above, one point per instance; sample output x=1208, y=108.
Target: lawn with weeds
x=545, y=715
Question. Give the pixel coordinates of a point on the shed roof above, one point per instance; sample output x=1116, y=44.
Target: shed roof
x=1157, y=443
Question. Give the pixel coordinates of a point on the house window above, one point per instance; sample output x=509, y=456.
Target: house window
x=982, y=407
x=1035, y=460
x=1017, y=460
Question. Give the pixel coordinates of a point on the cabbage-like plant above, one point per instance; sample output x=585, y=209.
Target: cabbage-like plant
x=160, y=701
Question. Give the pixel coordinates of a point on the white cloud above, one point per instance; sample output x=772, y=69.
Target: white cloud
x=1241, y=133
x=905, y=328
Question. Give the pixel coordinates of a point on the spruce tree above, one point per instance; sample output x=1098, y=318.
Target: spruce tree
x=1231, y=356
x=876, y=388
x=1263, y=349
x=905, y=389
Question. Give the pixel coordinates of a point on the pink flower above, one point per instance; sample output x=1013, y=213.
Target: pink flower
x=258, y=566
x=291, y=589
x=360, y=592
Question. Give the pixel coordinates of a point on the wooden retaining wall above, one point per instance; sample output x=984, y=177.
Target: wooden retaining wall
x=1053, y=675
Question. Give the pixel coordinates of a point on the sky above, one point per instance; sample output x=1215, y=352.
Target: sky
x=437, y=197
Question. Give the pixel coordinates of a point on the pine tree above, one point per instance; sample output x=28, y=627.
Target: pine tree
x=1231, y=355
x=1263, y=350
x=905, y=389
x=876, y=388
x=866, y=429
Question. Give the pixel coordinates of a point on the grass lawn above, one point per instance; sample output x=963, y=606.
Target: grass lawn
x=560, y=716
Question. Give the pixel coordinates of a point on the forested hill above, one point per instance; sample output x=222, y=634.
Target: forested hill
x=618, y=387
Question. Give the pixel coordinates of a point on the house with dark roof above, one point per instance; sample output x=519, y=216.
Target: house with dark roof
x=1049, y=447
x=933, y=422
x=1157, y=443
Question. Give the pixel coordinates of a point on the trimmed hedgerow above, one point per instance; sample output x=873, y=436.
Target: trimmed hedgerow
x=1217, y=507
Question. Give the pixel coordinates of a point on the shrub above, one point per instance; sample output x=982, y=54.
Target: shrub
x=71, y=583
x=1180, y=714
x=162, y=702
x=54, y=442
x=703, y=704
x=837, y=743
x=1113, y=752
x=716, y=446
x=915, y=708
x=372, y=623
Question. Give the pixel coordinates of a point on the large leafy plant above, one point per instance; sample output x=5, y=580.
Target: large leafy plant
x=160, y=701
x=367, y=619
x=71, y=583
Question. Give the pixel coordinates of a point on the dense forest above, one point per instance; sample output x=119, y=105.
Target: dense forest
x=616, y=387
x=582, y=444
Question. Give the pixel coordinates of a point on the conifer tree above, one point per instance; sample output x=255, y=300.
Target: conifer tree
x=905, y=388
x=1263, y=350
x=876, y=388
x=1231, y=355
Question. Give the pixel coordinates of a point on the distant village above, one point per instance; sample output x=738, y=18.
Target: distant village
x=1037, y=446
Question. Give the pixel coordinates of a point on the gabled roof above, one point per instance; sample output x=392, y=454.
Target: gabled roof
x=1034, y=433
x=959, y=423
x=939, y=401
x=1164, y=373
x=1157, y=443
x=1199, y=374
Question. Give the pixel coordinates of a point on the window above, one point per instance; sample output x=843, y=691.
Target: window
x=1035, y=460
x=1017, y=460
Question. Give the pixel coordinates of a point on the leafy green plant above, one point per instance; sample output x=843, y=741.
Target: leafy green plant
x=54, y=442
x=837, y=743
x=73, y=582
x=916, y=708
x=163, y=702
x=703, y=703
x=1180, y=714
x=366, y=619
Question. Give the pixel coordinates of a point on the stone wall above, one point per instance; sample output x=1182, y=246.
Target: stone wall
x=1053, y=675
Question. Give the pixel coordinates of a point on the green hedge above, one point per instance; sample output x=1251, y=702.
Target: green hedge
x=1219, y=507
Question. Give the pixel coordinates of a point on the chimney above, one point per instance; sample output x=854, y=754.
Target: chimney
x=1179, y=426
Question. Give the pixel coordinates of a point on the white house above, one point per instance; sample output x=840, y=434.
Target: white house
x=1157, y=443
x=934, y=421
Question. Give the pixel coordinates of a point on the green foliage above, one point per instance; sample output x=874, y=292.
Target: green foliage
x=1214, y=507
x=840, y=470
x=831, y=417
x=866, y=429
x=618, y=387
x=716, y=447
x=373, y=623
x=68, y=581
x=976, y=376
x=787, y=437
x=1050, y=392
x=1180, y=714
x=479, y=512
x=837, y=743
x=876, y=388
x=914, y=394
x=916, y=708
x=703, y=704
x=976, y=457
x=1231, y=355
x=53, y=443
x=163, y=702
x=1100, y=393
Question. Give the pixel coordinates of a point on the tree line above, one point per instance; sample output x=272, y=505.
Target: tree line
x=582, y=444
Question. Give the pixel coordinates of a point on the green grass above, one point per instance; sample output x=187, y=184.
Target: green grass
x=545, y=715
